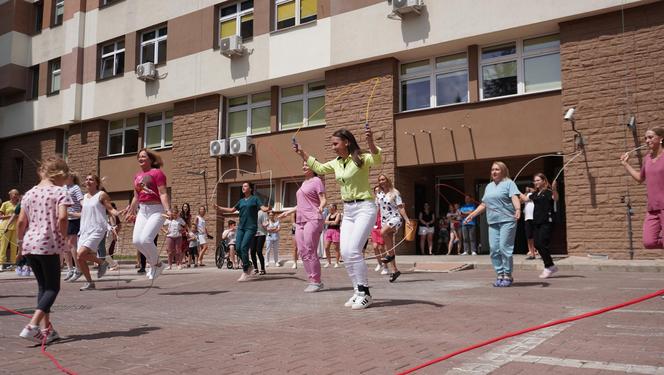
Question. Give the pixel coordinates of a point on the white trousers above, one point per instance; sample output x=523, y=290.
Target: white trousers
x=149, y=220
x=358, y=220
x=271, y=247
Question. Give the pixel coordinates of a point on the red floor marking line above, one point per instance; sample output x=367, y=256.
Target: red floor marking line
x=43, y=345
x=521, y=332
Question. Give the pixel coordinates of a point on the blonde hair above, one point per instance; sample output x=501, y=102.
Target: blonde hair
x=503, y=168
x=391, y=193
x=13, y=191
x=155, y=159
x=52, y=167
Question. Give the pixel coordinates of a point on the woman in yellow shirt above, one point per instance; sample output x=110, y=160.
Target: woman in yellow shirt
x=8, y=235
x=351, y=170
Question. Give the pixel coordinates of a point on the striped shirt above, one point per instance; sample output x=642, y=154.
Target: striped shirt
x=76, y=196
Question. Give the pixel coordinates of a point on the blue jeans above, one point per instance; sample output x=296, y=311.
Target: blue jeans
x=501, y=243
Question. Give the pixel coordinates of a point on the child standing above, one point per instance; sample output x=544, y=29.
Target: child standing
x=272, y=240
x=174, y=225
x=192, y=235
x=229, y=237
x=42, y=229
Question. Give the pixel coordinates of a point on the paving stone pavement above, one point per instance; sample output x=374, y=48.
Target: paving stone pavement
x=201, y=321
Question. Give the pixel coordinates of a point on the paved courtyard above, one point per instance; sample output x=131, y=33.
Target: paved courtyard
x=200, y=321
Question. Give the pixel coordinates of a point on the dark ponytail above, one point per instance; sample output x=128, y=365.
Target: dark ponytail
x=353, y=148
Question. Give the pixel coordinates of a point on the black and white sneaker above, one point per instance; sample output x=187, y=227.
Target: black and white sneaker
x=362, y=301
x=351, y=300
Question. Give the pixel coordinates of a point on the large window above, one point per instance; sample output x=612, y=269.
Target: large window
x=519, y=67
x=261, y=189
x=302, y=105
x=54, y=77
x=237, y=19
x=153, y=45
x=122, y=136
x=39, y=15
x=34, y=82
x=58, y=12
x=294, y=12
x=159, y=130
x=434, y=82
x=112, y=59
x=288, y=190
x=249, y=114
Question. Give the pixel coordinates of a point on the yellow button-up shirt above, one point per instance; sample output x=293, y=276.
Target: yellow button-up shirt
x=7, y=208
x=354, y=181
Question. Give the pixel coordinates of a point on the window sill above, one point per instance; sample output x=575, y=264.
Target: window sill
x=56, y=25
x=161, y=148
x=436, y=107
x=299, y=26
x=519, y=95
x=109, y=4
x=54, y=93
x=303, y=127
x=116, y=156
x=109, y=78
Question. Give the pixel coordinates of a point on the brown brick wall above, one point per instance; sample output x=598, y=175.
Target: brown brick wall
x=33, y=148
x=194, y=126
x=607, y=75
x=86, y=142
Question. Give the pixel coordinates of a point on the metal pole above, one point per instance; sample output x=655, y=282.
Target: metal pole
x=630, y=231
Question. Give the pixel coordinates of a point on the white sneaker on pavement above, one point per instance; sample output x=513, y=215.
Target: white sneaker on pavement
x=313, y=288
x=362, y=301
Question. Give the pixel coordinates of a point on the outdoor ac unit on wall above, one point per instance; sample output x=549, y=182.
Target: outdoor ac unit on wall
x=241, y=146
x=146, y=71
x=219, y=148
x=402, y=7
x=232, y=46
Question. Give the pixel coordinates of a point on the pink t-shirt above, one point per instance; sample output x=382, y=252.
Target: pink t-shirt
x=41, y=204
x=653, y=173
x=308, y=200
x=147, y=183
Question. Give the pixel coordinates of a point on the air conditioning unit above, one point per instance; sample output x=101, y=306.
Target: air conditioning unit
x=241, y=146
x=146, y=71
x=402, y=7
x=232, y=46
x=219, y=148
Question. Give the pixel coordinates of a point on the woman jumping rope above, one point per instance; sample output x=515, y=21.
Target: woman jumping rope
x=351, y=170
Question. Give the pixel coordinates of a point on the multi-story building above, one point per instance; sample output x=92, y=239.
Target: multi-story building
x=448, y=87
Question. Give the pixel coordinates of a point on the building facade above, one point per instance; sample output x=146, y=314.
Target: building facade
x=447, y=87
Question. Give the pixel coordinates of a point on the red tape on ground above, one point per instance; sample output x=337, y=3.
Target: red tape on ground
x=521, y=332
x=43, y=345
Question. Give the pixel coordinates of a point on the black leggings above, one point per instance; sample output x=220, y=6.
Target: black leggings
x=47, y=272
x=257, y=249
x=542, y=237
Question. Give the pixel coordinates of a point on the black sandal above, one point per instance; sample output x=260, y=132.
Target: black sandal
x=395, y=276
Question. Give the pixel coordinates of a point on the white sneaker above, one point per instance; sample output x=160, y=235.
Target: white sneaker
x=548, y=272
x=362, y=301
x=277, y=264
x=294, y=265
x=113, y=263
x=87, y=286
x=156, y=271
x=337, y=265
x=244, y=277
x=474, y=253
x=52, y=335
x=384, y=271
x=326, y=265
x=351, y=300
x=378, y=267
x=169, y=268
x=32, y=333
x=313, y=287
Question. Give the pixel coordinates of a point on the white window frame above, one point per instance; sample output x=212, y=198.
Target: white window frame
x=304, y=97
x=154, y=41
x=162, y=124
x=298, y=182
x=248, y=108
x=122, y=131
x=55, y=73
x=432, y=74
x=520, y=57
x=115, y=53
x=58, y=6
x=238, y=18
x=298, y=15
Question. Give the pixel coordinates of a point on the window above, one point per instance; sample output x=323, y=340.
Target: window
x=434, y=82
x=302, y=105
x=288, y=191
x=159, y=130
x=54, y=77
x=153, y=45
x=34, y=82
x=39, y=15
x=261, y=189
x=122, y=136
x=237, y=19
x=249, y=114
x=18, y=170
x=58, y=12
x=65, y=145
x=294, y=12
x=112, y=59
x=519, y=67
x=105, y=3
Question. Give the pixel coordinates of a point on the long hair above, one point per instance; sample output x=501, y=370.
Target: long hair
x=391, y=192
x=547, y=185
x=503, y=169
x=186, y=216
x=353, y=148
x=97, y=180
x=52, y=167
x=252, y=189
x=155, y=159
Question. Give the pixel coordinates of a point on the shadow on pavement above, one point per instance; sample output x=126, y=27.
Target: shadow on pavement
x=343, y=289
x=399, y=281
x=19, y=296
x=134, y=332
x=530, y=283
x=402, y=302
x=209, y=293
x=568, y=277
x=270, y=277
x=128, y=287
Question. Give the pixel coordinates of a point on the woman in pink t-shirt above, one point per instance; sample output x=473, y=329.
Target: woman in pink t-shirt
x=147, y=208
x=42, y=229
x=652, y=173
x=309, y=225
